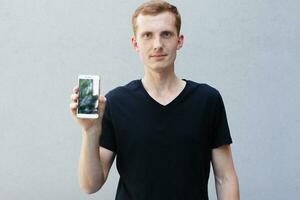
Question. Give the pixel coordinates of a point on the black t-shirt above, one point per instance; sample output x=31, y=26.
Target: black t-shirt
x=164, y=152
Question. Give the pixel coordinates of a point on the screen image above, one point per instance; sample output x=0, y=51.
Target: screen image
x=88, y=98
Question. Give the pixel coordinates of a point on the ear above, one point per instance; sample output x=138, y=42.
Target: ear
x=180, y=41
x=134, y=44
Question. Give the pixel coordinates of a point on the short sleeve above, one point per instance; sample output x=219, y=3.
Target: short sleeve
x=107, y=138
x=221, y=133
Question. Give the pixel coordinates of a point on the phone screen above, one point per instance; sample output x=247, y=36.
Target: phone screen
x=88, y=96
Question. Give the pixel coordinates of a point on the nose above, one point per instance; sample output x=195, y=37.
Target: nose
x=157, y=44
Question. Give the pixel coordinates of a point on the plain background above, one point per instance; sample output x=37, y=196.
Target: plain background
x=248, y=50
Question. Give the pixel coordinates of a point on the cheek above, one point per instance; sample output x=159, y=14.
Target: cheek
x=143, y=53
x=144, y=48
x=173, y=48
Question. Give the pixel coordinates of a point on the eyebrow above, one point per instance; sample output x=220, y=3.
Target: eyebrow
x=167, y=30
x=143, y=33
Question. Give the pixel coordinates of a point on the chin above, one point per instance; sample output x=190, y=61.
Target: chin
x=158, y=68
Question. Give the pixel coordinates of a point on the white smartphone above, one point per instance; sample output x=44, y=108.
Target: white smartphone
x=89, y=90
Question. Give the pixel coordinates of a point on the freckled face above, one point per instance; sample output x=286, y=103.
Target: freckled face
x=156, y=40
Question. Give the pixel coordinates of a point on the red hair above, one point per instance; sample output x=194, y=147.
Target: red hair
x=155, y=7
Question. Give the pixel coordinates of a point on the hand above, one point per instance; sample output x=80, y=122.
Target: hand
x=88, y=124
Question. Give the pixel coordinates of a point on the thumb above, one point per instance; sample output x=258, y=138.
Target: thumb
x=102, y=104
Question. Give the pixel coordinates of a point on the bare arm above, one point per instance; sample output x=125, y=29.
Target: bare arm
x=226, y=180
x=94, y=162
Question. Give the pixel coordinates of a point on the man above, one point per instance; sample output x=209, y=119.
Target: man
x=164, y=130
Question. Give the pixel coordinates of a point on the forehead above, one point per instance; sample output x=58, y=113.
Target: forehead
x=162, y=21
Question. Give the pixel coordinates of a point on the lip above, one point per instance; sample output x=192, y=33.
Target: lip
x=158, y=55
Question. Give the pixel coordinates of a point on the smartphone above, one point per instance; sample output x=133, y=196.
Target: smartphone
x=89, y=90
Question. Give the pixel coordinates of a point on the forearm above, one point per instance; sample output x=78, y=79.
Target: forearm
x=227, y=188
x=90, y=168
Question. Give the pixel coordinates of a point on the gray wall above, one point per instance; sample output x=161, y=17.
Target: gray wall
x=249, y=50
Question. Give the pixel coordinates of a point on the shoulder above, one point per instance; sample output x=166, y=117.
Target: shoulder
x=121, y=91
x=203, y=89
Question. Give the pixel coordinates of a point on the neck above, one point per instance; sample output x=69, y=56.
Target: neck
x=159, y=82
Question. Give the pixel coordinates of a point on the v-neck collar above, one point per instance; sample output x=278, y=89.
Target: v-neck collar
x=153, y=101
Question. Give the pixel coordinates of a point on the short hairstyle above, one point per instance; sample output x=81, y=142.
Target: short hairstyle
x=155, y=7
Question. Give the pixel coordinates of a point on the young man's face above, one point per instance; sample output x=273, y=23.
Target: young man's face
x=156, y=40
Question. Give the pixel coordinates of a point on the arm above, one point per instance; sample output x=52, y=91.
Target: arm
x=226, y=180
x=94, y=163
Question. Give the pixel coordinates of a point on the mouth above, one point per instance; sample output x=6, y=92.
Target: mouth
x=158, y=55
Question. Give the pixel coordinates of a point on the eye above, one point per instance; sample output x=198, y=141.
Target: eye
x=166, y=34
x=147, y=35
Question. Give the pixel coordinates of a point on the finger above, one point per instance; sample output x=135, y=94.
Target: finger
x=74, y=97
x=73, y=106
x=75, y=89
